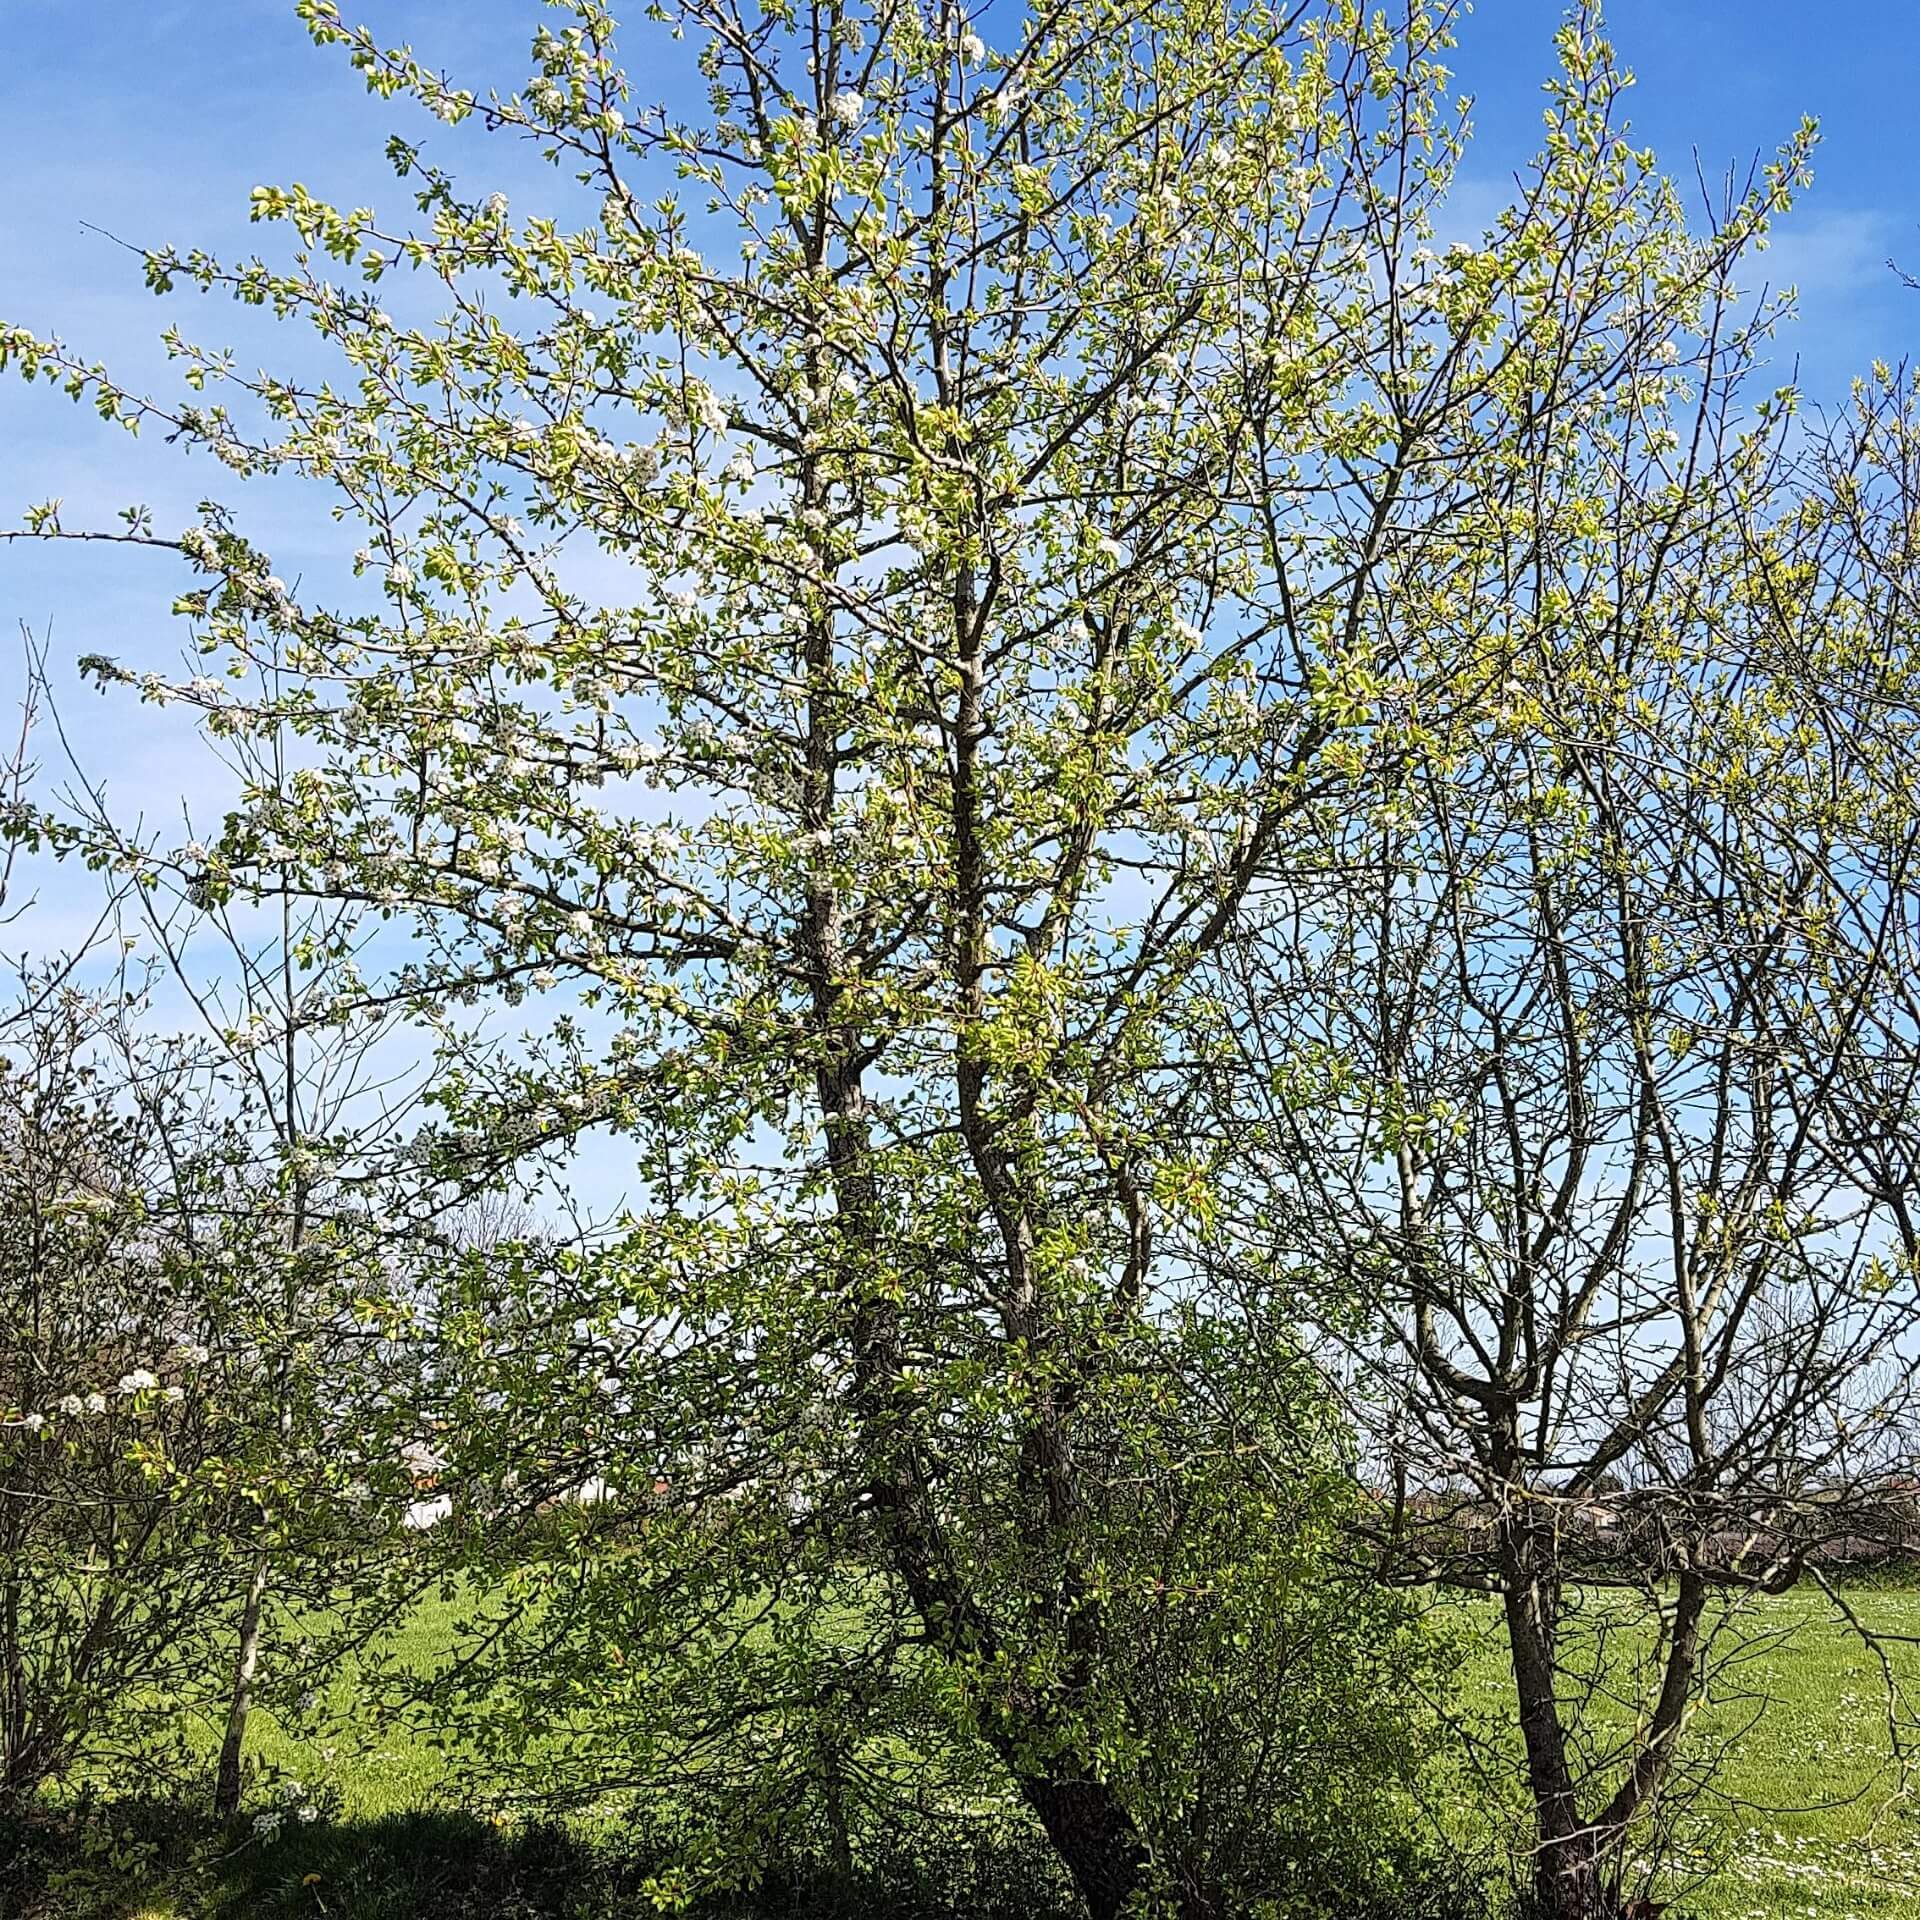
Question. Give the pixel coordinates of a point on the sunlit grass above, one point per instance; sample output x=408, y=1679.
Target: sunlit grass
x=1804, y=1814
x=1805, y=1818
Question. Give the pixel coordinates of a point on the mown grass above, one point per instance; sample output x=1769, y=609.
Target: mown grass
x=1804, y=1819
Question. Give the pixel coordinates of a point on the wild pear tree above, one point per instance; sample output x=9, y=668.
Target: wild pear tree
x=860, y=607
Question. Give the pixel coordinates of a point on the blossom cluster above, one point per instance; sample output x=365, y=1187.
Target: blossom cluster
x=135, y=1384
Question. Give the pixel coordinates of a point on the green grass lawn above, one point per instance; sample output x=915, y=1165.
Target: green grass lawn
x=1804, y=1817
x=1805, y=1820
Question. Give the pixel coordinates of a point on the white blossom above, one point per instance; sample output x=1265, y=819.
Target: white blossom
x=847, y=107
x=96, y=1403
x=138, y=1381
x=72, y=1406
x=972, y=48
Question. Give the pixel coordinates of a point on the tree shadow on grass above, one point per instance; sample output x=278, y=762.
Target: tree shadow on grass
x=151, y=1860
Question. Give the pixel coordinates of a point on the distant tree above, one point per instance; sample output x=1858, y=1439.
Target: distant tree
x=113, y=1502
x=187, y=1387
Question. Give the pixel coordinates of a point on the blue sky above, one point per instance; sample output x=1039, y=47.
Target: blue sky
x=154, y=118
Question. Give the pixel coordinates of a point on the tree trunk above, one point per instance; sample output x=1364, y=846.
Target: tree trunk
x=1568, y=1877
x=1569, y=1882
x=226, y=1786
x=1094, y=1837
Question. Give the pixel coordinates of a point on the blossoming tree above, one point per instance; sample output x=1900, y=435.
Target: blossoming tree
x=863, y=629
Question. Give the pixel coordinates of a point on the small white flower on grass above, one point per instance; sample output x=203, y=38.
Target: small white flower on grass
x=266, y=1826
x=96, y=1403
x=138, y=1381
x=34, y=1422
x=174, y=1395
x=192, y=1353
x=73, y=1406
